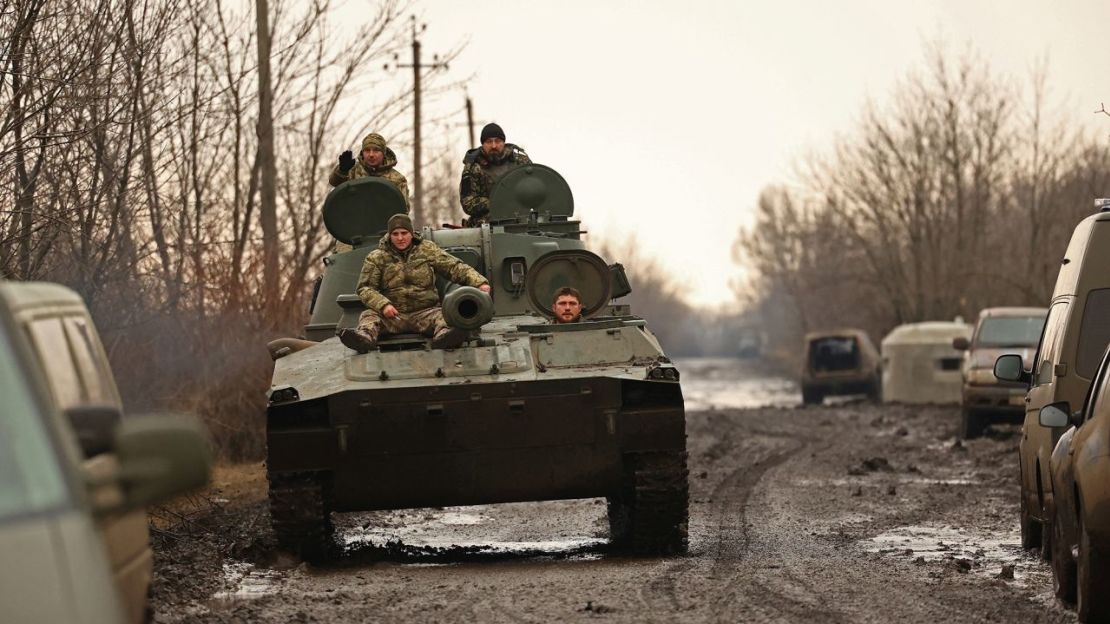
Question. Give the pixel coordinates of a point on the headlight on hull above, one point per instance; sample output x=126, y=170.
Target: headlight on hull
x=663, y=372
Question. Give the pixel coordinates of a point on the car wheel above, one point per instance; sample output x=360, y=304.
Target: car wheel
x=972, y=424
x=1091, y=578
x=1030, y=528
x=811, y=396
x=875, y=393
x=1046, y=539
x=1063, y=566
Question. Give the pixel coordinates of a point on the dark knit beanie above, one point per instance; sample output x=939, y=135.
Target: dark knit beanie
x=399, y=220
x=492, y=131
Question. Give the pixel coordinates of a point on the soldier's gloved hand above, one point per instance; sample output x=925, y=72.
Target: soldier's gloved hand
x=346, y=161
x=389, y=311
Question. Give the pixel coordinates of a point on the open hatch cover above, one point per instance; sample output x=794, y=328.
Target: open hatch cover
x=582, y=270
x=357, y=211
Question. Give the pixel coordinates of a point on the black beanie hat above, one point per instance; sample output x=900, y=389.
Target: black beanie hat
x=492, y=131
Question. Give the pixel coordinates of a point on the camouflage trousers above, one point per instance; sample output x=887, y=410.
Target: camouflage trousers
x=426, y=322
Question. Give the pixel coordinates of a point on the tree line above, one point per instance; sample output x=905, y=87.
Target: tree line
x=958, y=193
x=168, y=159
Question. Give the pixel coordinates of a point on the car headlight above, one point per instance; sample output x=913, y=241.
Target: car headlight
x=981, y=377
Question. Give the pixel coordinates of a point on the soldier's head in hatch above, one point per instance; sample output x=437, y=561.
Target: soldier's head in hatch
x=493, y=140
x=567, y=305
x=373, y=149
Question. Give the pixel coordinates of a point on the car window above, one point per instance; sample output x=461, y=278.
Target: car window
x=1094, y=332
x=1050, y=344
x=50, y=342
x=99, y=385
x=834, y=354
x=31, y=475
x=1009, y=331
x=1096, y=398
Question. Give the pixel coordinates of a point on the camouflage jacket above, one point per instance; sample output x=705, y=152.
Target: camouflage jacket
x=386, y=170
x=408, y=279
x=479, y=175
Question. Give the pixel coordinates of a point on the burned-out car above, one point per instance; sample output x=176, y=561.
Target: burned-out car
x=840, y=362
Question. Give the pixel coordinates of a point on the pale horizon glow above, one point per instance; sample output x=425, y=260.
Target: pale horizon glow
x=667, y=120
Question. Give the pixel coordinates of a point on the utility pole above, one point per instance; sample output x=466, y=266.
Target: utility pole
x=470, y=120
x=418, y=195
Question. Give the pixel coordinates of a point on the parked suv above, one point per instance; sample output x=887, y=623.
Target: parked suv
x=840, y=362
x=985, y=398
x=1076, y=333
x=74, y=475
x=1081, y=501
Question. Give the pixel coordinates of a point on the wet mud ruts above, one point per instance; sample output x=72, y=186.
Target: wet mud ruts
x=846, y=513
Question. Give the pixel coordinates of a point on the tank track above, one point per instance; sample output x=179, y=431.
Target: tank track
x=649, y=515
x=300, y=514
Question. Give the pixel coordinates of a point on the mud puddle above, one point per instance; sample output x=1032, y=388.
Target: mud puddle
x=992, y=553
x=554, y=529
x=247, y=582
x=727, y=383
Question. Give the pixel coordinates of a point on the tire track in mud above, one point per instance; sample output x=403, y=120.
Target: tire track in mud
x=729, y=536
x=734, y=536
x=733, y=533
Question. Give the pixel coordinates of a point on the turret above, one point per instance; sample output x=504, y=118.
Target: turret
x=530, y=248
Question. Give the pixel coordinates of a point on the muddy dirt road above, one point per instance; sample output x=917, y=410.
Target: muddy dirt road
x=849, y=513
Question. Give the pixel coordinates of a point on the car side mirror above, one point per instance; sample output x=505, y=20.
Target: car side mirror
x=95, y=426
x=961, y=343
x=1009, y=367
x=160, y=457
x=1055, y=415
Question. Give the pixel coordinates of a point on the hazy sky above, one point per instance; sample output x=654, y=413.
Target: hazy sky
x=667, y=118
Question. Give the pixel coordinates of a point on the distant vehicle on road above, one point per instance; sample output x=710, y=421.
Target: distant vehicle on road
x=749, y=342
x=985, y=398
x=839, y=362
x=1075, y=335
x=920, y=365
x=75, y=477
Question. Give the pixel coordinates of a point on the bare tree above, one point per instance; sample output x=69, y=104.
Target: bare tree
x=942, y=202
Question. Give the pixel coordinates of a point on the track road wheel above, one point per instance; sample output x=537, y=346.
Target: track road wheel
x=649, y=515
x=972, y=424
x=1063, y=567
x=1030, y=528
x=300, y=513
x=1092, y=580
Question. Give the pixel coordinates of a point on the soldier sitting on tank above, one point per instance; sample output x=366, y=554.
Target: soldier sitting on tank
x=567, y=305
x=375, y=160
x=482, y=167
x=397, y=285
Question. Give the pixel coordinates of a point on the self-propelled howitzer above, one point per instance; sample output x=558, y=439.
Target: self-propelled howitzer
x=525, y=410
